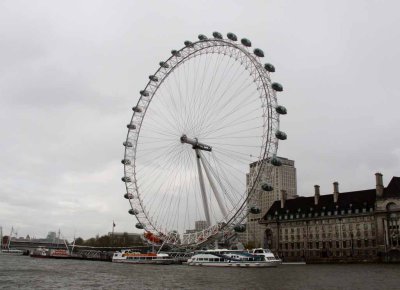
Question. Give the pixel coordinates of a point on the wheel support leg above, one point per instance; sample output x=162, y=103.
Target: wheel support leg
x=202, y=188
x=214, y=188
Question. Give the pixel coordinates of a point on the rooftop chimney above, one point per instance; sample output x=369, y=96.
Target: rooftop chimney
x=335, y=191
x=283, y=198
x=379, y=184
x=316, y=196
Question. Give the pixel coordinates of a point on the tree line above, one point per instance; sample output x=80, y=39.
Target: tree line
x=111, y=240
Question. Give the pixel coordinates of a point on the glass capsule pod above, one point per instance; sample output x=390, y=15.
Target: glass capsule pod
x=164, y=64
x=144, y=93
x=137, y=109
x=269, y=67
x=126, y=161
x=281, y=135
x=240, y=228
x=258, y=52
x=133, y=211
x=277, y=87
x=128, y=195
x=232, y=36
x=246, y=42
x=188, y=43
x=267, y=187
x=276, y=161
x=153, y=78
x=255, y=210
x=217, y=35
x=175, y=53
x=281, y=110
x=202, y=37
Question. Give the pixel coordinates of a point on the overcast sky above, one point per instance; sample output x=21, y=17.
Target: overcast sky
x=70, y=71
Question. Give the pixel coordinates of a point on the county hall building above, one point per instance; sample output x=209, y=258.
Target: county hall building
x=343, y=226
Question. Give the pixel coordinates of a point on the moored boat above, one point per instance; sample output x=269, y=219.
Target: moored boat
x=40, y=253
x=59, y=254
x=267, y=254
x=232, y=258
x=12, y=251
x=131, y=257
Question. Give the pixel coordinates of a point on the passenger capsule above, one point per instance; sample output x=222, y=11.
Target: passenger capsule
x=164, y=64
x=258, y=52
x=281, y=110
x=217, y=35
x=137, y=109
x=128, y=195
x=133, y=211
x=202, y=37
x=255, y=210
x=276, y=161
x=277, y=87
x=246, y=42
x=131, y=126
x=240, y=228
x=139, y=226
x=126, y=161
x=153, y=78
x=281, y=135
x=144, y=93
x=175, y=53
x=188, y=43
x=127, y=144
x=269, y=67
x=232, y=36
x=126, y=179
x=267, y=187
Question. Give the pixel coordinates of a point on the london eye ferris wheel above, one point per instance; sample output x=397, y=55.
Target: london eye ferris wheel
x=208, y=111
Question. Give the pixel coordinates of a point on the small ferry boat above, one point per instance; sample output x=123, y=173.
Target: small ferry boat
x=40, y=253
x=234, y=258
x=267, y=254
x=131, y=257
x=12, y=251
x=53, y=253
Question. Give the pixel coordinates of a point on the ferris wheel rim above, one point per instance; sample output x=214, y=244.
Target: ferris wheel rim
x=152, y=86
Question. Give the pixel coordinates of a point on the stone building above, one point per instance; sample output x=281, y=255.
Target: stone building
x=357, y=225
x=281, y=177
x=200, y=225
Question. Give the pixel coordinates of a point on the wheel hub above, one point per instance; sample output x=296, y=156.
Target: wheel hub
x=195, y=143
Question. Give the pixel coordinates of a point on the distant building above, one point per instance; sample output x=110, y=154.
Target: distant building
x=200, y=225
x=132, y=237
x=357, y=225
x=51, y=236
x=121, y=234
x=282, y=178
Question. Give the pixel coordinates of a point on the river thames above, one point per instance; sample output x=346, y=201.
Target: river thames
x=22, y=272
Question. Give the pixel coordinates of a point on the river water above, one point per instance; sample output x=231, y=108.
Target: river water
x=22, y=272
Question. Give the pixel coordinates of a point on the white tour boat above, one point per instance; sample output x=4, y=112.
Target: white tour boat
x=234, y=258
x=267, y=254
x=131, y=257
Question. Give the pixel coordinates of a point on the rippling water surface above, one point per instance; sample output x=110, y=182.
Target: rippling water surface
x=22, y=272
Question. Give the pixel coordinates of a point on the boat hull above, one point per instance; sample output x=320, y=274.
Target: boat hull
x=149, y=262
x=235, y=264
